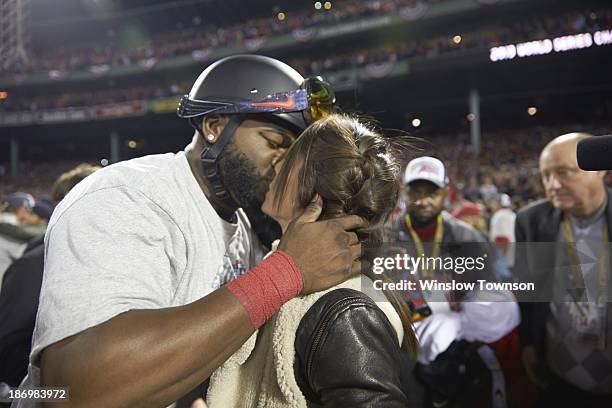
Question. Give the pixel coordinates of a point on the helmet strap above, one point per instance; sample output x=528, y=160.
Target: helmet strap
x=209, y=158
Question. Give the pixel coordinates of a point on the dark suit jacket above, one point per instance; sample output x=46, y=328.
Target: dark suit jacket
x=537, y=227
x=18, y=307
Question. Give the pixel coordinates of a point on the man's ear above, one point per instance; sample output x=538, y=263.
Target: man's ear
x=444, y=191
x=212, y=126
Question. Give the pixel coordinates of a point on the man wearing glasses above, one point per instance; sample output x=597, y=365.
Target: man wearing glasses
x=145, y=292
x=566, y=331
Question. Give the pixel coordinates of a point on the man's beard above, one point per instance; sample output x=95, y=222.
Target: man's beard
x=240, y=177
x=248, y=189
x=421, y=220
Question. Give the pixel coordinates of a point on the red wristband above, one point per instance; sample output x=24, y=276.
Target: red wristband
x=267, y=286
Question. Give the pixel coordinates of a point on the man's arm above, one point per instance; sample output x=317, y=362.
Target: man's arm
x=148, y=357
x=153, y=357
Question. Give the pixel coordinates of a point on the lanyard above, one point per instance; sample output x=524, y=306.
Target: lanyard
x=576, y=271
x=428, y=273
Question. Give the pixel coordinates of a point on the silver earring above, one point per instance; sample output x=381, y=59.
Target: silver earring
x=210, y=137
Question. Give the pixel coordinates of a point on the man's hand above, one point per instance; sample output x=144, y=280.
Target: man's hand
x=327, y=252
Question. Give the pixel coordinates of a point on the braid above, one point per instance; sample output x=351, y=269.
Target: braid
x=355, y=171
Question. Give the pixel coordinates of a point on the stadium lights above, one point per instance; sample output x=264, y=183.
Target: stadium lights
x=457, y=39
x=416, y=122
x=327, y=5
x=281, y=16
x=318, y=5
x=532, y=110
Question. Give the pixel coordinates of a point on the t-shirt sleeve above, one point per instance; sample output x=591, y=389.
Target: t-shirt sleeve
x=110, y=251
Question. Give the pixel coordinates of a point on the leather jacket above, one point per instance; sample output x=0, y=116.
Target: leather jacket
x=347, y=354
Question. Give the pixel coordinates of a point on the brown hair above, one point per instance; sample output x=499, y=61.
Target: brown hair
x=69, y=179
x=355, y=170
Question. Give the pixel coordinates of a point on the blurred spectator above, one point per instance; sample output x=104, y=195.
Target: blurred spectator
x=20, y=204
x=472, y=214
x=20, y=288
x=501, y=231
x=446, y=324
x=41, y=212
x=69, y=179
x=567, y=342
x=35, y=177
x=16, y=211
x=488, y=190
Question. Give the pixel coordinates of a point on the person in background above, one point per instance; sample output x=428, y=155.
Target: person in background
x=501, y=226
x=447, y=325
x=563, y=246
x=20, y=205
x=487, y=190
x=472, y=214
x=41, y=212
x=16, y=213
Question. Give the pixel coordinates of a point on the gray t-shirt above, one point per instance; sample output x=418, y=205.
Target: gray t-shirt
x=139, y=234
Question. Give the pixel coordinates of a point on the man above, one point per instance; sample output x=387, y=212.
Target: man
x=16, y=212
x=41, y=212
x=474, y=316
x=133, y=308
x=472, y=214
x=566, y=341
x=20, y=288
x=20, y=204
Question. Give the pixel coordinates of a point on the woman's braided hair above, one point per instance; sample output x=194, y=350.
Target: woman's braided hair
x=355, y=170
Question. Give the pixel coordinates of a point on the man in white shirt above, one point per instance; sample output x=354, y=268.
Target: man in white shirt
x=132, y=309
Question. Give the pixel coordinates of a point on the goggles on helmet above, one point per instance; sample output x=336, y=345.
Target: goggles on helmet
x=315, y=99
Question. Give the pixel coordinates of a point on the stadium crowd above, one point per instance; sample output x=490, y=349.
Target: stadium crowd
x=187, y=40
x=439, y=45
x=482, y=39
x=513, y=170
x=173, y=43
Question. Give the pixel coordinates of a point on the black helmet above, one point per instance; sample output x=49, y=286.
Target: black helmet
x=251, y=84
x=244, y=78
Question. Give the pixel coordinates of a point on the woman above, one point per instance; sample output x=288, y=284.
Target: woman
x=340, y=347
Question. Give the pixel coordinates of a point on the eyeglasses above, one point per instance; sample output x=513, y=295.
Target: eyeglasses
x=560, y=173
x=315, y=99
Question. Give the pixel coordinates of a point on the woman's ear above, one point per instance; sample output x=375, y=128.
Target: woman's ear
x=212, y=126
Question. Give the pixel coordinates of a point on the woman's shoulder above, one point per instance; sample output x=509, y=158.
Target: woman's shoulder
x=348, y=307
x=346, y=342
